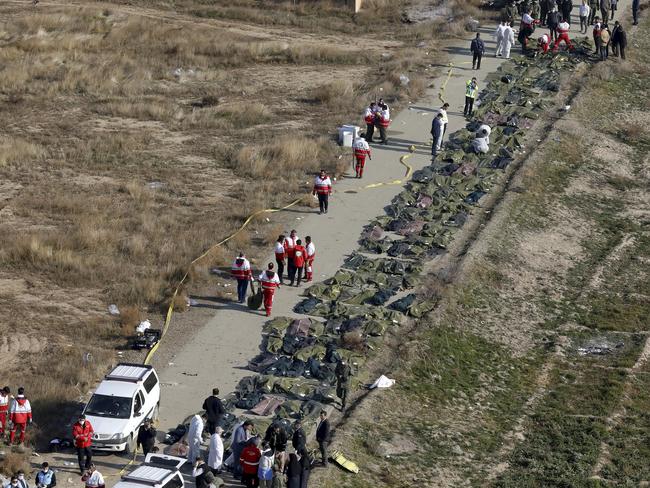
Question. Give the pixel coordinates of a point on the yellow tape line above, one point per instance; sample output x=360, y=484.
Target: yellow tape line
x=170, y=310
x=444, y=83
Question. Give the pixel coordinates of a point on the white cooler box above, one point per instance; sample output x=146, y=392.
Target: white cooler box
x=348, y=134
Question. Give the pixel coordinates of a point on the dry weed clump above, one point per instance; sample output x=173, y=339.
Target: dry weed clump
x=334, y=95
x=11, y=462
x=17, y=151
x=353, y=341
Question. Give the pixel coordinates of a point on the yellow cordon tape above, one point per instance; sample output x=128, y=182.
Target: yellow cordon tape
x=444, y=83
x=170, y=309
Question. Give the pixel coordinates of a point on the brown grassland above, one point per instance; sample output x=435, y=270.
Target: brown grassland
x=135, y=135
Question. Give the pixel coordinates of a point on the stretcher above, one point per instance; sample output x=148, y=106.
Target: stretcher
x=345, y=463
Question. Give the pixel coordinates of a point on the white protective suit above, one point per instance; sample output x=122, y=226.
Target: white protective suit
x=499, y=35
x=194, y=437
x=481, y=144
x=215, y=454
x=508, y=41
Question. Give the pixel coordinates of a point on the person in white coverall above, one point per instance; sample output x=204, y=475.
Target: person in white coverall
x=498, y=35
x=215, y=454
x=194, y=437
x=508, y=40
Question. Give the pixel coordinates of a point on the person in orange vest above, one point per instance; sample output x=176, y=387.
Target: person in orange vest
x=241, y=271
x=82, y=434
x=369, y=119
x=322, y=188
x=289, y=245
x=20, y=415
x=298, y=262
x=562, y=35
x=280, y=256
x=383, y=120
x=361, y=149
x=309, y=258
x=5, y=401
x=269, y=281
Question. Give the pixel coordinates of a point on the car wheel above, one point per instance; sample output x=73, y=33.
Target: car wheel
x=131, y=445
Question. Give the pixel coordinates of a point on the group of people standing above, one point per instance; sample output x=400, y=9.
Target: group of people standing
x=377, y=115
x=15, y=414
x=290, y=253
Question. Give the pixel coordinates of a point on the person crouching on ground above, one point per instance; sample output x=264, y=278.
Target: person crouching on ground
x=270, y=282
x=361, y=150
x=241, y=271
x=322, y=188
x=543, y=43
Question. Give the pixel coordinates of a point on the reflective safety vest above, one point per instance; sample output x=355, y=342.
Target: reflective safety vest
x=289, y=245
x=280, y=253
x=369, y=116
x=323, y=186
x=269, y=282
x=241, y=269
x=471, y=89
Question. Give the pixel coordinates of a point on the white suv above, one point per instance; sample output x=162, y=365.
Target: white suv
x=128, y=395
x=158, y=471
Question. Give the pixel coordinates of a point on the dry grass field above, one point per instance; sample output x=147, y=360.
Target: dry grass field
x=135, y=135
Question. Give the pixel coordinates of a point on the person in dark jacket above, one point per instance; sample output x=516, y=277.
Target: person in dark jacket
x=294, y=471
x=305, y=467
x=147, y=437
x=552, y=21
x=635, y=12
x=604, y=10
x=214, y=410
x=567, y=7
x=276, y=437
x=323, y=436
x=619, y=40
x=299, y=439
x=477, y=48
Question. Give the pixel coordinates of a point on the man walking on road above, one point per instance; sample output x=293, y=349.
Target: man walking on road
x=361, y=150
x=471, y=90
x=323, y=436
x=241, y=271
x=270, y=282
x=82, y=434
x=477, y=49
x=437, y=128
x=508, y=40
x=322, y=188
x=147, y=437
x=214, y=411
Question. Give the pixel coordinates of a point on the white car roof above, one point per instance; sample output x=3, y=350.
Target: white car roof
x=127, y=484
x=117, y=388
x=128, y=372
x=150, y=475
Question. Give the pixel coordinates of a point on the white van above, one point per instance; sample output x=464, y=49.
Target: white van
x=158, y=471
x=128, y=395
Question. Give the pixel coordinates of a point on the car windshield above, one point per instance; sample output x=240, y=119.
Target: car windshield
x=109, y=406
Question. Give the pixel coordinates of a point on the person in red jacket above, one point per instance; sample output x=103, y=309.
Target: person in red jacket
x=250, y=460
x=270, y=282
x=298, y=262
x=20, y=415
x=562, y=35
x=383, y=120
x=289, y=245
x=82, y=435
x=241, y=271
x=361, y=150
x=309, y=258
x=5, y=401
x=323, y=188
x=369, y=119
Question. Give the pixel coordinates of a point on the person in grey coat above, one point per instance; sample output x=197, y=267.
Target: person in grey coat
x=437, y=129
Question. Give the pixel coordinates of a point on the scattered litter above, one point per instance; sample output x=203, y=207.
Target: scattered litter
x=192, y=302
x=599, y=349
x=170, y=364
x=567, y=108
x=113, y=310
x=155, y=185
x=142, y=326
x=382, y=382
x=189, y=374
x=404, y=80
